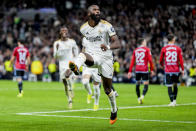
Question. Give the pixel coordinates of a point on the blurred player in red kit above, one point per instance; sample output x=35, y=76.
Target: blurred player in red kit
x=21, y=57
x=171, y=58
x=141, y=58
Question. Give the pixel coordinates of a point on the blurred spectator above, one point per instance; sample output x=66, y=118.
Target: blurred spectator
x=52, y=70
x=37, y=69
x=8, y=69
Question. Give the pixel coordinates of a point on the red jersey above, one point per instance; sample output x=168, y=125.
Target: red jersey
x=171, y=57
x=141, y=57
x=21, y=53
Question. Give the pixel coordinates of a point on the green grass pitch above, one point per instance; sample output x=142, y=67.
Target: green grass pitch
x=44, y=107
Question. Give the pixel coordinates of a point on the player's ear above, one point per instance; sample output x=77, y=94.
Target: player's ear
x=88, y=13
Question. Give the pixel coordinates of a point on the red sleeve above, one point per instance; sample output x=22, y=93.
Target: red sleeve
x=181, y=59
x=162, y=57
x=132, y=62
x=150, y=60
x=28, y=54
x=15, y=52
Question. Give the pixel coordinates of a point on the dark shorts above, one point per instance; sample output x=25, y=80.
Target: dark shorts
x=171, y=78
x=19, y=73
x=142, y=76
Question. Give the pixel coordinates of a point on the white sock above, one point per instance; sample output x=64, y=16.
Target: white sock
x=80, y=60
x=69, y=88
x=97, y=94
x=88, y=88
x=142, y=97
x=69, y=83
x=112, y=100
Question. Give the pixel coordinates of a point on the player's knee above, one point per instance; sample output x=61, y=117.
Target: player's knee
x=96, y=88
x=89, y=63
x=85, y=81
x=65, y=82
x=146, y=83
x=95, y=83
x=19, y=79
x=175, y=84
x=108, y=91
x=137, y=82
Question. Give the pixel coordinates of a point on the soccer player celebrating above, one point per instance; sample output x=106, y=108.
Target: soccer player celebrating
x=65, y=49
x=170, y=58
x=98, y=34
x=21, y=57
x=141, y=57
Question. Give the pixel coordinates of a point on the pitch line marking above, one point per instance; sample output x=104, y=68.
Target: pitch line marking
x=103, y=118
x=125, y=119
x=129, y=107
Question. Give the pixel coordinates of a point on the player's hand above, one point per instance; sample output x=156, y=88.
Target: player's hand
x=57, y=46
x=104, y=47
x=129, y=75
x=182, y=73
x=152, y=73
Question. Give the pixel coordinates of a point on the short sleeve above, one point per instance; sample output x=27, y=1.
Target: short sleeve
x=15, y=52
x=28, y=54
x=110, y=30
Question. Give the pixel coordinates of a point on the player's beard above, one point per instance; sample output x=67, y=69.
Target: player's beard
x=96, y=18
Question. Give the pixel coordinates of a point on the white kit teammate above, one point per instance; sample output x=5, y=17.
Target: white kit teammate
x=102, y=39
x=87, y=73
x=65, y=49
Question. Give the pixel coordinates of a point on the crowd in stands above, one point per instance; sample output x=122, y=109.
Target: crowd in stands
x=130, y=21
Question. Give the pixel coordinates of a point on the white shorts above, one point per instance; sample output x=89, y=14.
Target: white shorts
x=93, y=72
x=104, y=65
x=63, y=66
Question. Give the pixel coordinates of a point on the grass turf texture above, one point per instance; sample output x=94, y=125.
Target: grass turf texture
x=47, y=97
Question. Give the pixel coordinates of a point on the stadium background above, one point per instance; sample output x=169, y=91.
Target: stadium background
x=38, y=23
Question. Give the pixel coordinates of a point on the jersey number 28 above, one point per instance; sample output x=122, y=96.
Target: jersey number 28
x=171, y=56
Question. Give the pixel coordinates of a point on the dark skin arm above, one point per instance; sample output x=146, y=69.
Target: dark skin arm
x=115, y=43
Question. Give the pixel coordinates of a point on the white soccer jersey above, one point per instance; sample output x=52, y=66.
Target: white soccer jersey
x=95, y=36
x=66, y=52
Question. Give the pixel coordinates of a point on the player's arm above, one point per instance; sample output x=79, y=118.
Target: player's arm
x=151, y=63
x=83, y=44
x=83, y=49
x=131, y=65
x=13, y=57
x=181, y=61
x=115, y=43
x=28, y=62
x=12, y=60
x=75, y=50
x=161, y=61
x=55, y=50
